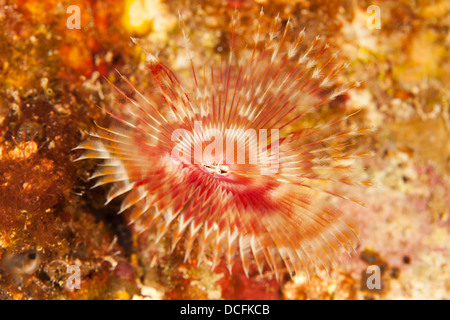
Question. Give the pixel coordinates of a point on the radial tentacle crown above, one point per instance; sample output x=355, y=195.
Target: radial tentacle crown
x=228, y=163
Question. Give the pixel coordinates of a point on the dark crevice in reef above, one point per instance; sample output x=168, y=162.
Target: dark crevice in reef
x=116, y=223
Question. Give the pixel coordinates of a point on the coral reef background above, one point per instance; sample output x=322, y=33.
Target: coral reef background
x=51, y=82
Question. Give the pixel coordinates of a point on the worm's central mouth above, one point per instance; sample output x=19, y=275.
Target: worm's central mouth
x=217, y=168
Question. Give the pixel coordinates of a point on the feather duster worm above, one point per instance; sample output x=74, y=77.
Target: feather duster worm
x=204, y=163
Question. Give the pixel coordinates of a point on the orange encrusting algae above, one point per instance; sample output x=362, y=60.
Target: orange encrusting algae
x=269, y=212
